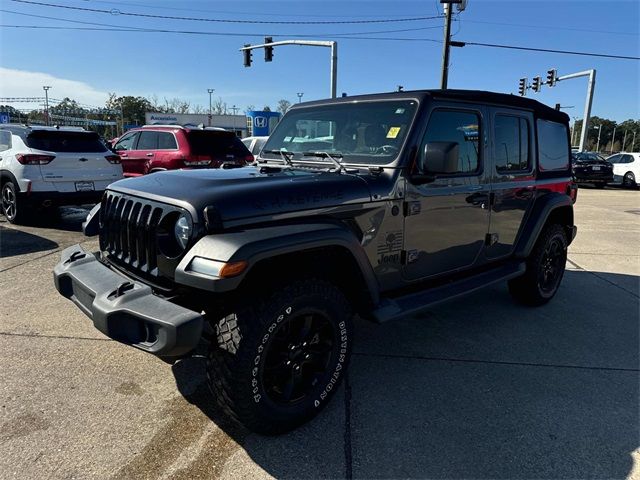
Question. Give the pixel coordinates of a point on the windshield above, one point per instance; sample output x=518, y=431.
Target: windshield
x=587, y=157
x=365, y=133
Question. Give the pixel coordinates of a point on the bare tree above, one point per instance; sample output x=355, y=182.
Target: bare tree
x=284, y=105
x=175, y=105
x=219, y=107
x=249, y=109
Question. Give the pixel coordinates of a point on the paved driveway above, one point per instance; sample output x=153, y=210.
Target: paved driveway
x=479, y=388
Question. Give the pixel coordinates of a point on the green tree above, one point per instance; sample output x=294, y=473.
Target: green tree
x=133, y=108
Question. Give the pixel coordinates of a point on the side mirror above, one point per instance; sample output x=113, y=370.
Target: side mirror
x=440, y=158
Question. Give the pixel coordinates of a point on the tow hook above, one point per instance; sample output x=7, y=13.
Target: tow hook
x=121, y=290
x=75, y=256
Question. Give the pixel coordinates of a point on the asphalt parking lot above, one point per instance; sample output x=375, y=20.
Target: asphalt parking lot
x=479, y=388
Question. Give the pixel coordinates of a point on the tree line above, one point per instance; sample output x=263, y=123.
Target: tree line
x=627, y=132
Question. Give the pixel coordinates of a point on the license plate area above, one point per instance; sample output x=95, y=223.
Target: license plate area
x=85, y=187
x=596, y=168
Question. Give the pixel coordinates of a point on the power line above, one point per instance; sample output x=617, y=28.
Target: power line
x=120, y=28
x=118, y=12
x=548, y=50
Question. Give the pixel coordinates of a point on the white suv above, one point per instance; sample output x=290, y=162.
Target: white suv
x=51, y=166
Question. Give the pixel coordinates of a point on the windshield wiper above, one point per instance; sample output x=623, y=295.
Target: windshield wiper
x=284, y=154
x=333, y=158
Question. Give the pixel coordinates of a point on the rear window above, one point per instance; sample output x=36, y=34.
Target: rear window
x=216, y=143
x=56, y=141
x=553, y=146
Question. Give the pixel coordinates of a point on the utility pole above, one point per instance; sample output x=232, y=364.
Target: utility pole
x=633, y=142
x=234, y=109
x=444, y=78
x=210, y=90
x=300, y=94
x=46, y=104
x=613, y=139
x=624, y=141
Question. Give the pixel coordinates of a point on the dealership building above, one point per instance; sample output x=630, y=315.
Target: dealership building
x=254, y=123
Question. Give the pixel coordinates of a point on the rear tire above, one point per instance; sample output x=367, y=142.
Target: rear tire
x=12, y=206
x=276, y=362
x=545, y=268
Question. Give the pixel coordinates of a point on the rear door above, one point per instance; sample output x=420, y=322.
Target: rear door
x=80, y=162
x=512, y=176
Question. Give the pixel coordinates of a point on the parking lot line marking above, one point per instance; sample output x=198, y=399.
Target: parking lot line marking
x=494, y=362
x=602, y=278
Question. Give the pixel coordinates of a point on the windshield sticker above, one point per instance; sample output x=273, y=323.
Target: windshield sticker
x=393, y=132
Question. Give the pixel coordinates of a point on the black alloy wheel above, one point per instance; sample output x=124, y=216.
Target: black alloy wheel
x=552, y=266
x=298, y=356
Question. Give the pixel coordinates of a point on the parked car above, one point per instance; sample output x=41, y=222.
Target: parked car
x=626, y=168
x=591, y=168
x=52, y=166
x=154, y=148
x=419, y=197
x=255, y=144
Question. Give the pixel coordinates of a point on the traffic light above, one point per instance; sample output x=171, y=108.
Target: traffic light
x=552, y=77
x=268, y=51
x=522, y=87
x=537, y=84
x=246, y=54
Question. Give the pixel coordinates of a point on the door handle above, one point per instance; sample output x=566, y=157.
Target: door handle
x=150, y=154
x=124, y=154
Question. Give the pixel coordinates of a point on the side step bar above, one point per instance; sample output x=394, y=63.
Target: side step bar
x=398, y=307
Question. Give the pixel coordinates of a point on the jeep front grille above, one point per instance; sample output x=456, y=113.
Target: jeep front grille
x=128, y=231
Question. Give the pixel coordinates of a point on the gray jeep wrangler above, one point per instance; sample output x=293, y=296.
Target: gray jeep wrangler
x=380, y=205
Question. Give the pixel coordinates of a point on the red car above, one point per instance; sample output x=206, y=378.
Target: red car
x=154, y=148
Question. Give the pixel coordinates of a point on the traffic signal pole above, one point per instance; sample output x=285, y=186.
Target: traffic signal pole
x=588, y=102
x=333, y=73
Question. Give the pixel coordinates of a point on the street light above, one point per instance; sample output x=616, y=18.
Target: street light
x=599, y=127
x=300, y=94
x=46, y=104
x=234, y=109
x=210, y=90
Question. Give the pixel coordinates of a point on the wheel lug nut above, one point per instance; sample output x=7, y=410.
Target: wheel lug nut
x=288, y=362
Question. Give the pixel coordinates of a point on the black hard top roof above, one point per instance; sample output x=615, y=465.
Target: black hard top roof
x=472, y=96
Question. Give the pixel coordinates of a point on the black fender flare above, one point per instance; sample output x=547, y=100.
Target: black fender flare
x=258, y=244
x=543, y=208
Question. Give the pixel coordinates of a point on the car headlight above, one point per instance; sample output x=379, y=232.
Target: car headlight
x=183, y=230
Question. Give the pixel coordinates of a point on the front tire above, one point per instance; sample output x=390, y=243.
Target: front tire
x=275, y=364
x=545, y=268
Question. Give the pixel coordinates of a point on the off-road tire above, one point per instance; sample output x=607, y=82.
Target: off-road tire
x=245, y=339
x=529, y=289
x=13, y=208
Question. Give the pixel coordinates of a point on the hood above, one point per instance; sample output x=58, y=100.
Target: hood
x=247, y=192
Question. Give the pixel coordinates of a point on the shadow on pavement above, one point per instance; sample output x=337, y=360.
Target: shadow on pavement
x=15, y=242
x=478, y=388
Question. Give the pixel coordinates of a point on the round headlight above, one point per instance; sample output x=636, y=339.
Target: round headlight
x=183, y=230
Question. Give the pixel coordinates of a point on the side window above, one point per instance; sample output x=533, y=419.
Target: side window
x=454, y=135
x=553, y=146
x=511, y=144
x=148, y=141
x=615, y=159
x=166, y=141
x=126, y=143
x=5, y=140
x=627, y=159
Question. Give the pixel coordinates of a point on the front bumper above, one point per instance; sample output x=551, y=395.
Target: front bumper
x=126, y=310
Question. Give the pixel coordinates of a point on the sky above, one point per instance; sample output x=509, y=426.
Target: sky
x=88, y=64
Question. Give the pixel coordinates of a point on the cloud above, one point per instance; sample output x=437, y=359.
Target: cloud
x=21, y=83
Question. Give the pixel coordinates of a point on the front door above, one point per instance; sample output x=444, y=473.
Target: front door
x=446, y=220
x=124, y=147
